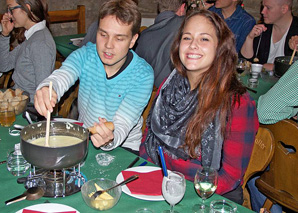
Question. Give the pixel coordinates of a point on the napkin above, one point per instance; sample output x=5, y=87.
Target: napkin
x=148, y=183
x=34, y=211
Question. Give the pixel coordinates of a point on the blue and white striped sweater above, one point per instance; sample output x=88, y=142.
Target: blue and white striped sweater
x=120, y=99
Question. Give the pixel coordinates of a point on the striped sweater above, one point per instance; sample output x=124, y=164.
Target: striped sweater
x=120, y=99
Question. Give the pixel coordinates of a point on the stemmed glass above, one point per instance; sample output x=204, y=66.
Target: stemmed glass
x=205, y=184
x=173, y=189
x=241, y=67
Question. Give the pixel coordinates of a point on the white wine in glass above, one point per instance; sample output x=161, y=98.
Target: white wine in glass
x=173, y=189
x=205, y=183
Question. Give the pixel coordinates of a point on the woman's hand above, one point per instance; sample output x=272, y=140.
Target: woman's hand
x=7, y=25
x=103, y=134
x=293, y=42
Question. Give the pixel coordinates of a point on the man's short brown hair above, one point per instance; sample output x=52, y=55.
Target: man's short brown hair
x=125, y=11
x=170, y=5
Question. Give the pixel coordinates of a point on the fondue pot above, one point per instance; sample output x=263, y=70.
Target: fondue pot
x=54, y=158
x=281, y=65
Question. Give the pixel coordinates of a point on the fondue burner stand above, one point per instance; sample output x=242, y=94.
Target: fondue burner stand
x=56, y=183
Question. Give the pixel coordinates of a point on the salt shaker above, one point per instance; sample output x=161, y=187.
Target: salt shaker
x=16, y=163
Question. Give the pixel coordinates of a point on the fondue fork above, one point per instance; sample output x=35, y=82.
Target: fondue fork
x=131, y=178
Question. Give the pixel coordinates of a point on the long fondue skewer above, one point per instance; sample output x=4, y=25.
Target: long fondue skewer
x=294, y=52
x=48, y=117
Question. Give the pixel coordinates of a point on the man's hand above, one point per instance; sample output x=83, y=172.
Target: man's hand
x=103, y=134
x=42, y=101
x=257, y=30
x=293, y=42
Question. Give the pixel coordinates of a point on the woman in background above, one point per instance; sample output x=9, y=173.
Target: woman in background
x=34, y=58
x=202, y=115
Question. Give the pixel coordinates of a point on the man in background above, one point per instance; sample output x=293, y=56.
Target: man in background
x=272, y=37
x=154, y=43
x=238, y=20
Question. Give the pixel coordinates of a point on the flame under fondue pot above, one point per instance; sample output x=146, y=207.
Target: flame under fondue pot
x=54, y=157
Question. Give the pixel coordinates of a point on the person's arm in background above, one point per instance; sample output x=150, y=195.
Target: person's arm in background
x=281, y=101
x=247, y=48
x=91, y=34
x=293, y=42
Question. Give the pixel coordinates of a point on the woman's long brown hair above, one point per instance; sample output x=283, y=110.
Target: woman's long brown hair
x=218, y=88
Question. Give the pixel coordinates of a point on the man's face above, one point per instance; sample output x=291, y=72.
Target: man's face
x=272, y=11
x=113, y=41
x=223, y=4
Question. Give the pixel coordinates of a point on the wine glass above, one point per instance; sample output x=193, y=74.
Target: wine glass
x=241, y=67
x=173, y=189
x=205, y=184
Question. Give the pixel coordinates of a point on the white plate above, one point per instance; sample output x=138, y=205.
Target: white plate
x=49, y=207
x=77, y=41
x=141, y=169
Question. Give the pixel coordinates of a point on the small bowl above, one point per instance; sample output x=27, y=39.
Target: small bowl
x=256, y=68
x=102, y=202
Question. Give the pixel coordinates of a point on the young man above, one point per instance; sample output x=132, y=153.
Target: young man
x=155, y=42
x=237, y=19
x=115, y=83
x=280, y=26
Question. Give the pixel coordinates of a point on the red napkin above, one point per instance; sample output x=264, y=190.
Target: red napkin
x=33, y=211
x=148, y=183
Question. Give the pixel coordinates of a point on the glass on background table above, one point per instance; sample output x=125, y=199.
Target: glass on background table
x=265, y=83
x=10, y=188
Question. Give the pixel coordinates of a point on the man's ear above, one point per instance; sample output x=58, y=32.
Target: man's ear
x=284, y=8
x=133, y=40
x=182, y=10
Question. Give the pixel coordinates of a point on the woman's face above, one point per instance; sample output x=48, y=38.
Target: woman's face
x=198, y=45
x=18, y=16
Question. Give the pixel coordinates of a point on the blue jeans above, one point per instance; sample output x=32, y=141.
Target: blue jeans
x=257, y=199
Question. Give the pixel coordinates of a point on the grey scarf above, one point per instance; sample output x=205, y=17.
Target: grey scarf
x=168, y=119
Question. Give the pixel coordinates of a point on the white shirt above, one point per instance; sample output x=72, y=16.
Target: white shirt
x=277, y=49
x=36, y=27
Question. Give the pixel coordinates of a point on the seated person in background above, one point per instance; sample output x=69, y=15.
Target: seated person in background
x=238, y=20
x=154, y=43
x=202, y=115
x=92, y=31
x=34, y=59
x=280, y=25
x=115, y=83
x=281, y=101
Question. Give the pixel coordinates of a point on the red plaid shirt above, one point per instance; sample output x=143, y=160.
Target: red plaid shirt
x=236, y=150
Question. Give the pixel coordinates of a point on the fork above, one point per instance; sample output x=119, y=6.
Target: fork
x=131, y=178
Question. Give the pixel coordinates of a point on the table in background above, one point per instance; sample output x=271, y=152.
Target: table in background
x=266, y=82
x=63, y=44
x=10, y=188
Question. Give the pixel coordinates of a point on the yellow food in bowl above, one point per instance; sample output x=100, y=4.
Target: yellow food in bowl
x=103, y=201
x=13, y=100
x=106, y=200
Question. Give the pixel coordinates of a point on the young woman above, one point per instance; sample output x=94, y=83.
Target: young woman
x=33, y=59
x=202, y=115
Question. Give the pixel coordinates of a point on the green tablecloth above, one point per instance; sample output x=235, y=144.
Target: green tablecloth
x=64, y=45
x=9, y=187
x=265, y=83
